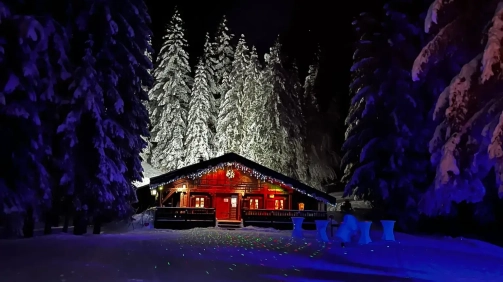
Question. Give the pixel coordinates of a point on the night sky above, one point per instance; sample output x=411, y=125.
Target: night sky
x=302, y=24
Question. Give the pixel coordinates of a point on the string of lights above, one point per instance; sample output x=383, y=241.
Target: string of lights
x=244, y=169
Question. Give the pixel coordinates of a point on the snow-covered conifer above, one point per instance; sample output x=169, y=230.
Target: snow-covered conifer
x=288, y=107
x=268, y=126
x=465, y=147
x=321, y=159
x=301, y=169
x=145, y=155
x=310, y=102
x=108, y=120
x=210, y=64
x=253, y=108
x=169, y=99
x=223, y=53
x=230, y=124
x=34, y=61
x=385, y=161
x=198, y=137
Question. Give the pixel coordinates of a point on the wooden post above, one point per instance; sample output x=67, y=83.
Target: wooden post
x=160, y=198
x=239, y=206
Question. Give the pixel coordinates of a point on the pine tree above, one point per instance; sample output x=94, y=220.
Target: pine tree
x=300, y=131
x=223, y=54
x=253, y=109
x=309, y=100
x=269, y=128
x=146, y=153
x=466, y=148
x=108, y=121
x=321, y=158
x=34, y=62
x=385, y=160
x=197, y=141
x=288, y=108
x=210, y=64
x=230, y=116
x=169, y=99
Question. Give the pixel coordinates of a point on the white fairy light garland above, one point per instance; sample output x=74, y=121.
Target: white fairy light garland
x=244, y=169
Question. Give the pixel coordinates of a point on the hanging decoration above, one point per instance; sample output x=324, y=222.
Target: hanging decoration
x=244, y=169
x=230, y=173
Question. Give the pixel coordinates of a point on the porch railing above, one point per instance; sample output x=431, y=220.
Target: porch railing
x=180, y=218
x=280, y=219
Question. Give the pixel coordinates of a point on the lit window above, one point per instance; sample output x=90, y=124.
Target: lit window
x=278, y=204
x=301, y=206
x=254, y=204
x=199, y=203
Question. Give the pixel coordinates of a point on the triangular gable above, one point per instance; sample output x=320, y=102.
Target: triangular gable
x=234, y=160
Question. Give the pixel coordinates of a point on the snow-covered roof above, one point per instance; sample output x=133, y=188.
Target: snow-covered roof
x=148, y=172
x=235, y=160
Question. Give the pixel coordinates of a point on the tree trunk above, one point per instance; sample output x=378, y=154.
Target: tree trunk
x=97, y=225
x=66, y=213
x=79, y=224
x=66, y=223
x=14, y=225
x=48, y=223
x=29, y=224
x=55, y=217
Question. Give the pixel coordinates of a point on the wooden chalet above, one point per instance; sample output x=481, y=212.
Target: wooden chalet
x=233, y=190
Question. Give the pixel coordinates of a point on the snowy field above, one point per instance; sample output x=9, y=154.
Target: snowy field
x=243, y=255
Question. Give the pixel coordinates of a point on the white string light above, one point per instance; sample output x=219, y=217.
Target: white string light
x=242, y=168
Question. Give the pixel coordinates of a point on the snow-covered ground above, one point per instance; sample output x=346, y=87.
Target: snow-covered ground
x=243, y=255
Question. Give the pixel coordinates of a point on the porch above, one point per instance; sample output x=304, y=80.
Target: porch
x=281, y=219
x=183, y=218
x=186, y=218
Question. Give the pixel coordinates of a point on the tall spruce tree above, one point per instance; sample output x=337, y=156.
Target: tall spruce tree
x=108, y=120
x=198, y=137
x=230, y=117
x=253, y=108
x=276, y=152
x=169, y=99
x=320, y=155
x=223, y=54
x=287, y=106
x=299, y=131
x=145, y=155
x=210, y=64
x=386, y=161
x=34, y=62
x=466, y=148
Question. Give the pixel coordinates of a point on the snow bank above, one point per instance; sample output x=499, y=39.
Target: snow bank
x=143, y=220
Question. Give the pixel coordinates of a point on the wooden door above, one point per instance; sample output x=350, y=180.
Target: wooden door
x=234, y=208
x=223, y=207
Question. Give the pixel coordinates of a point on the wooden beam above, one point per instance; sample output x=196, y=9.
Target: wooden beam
x=171, y=192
